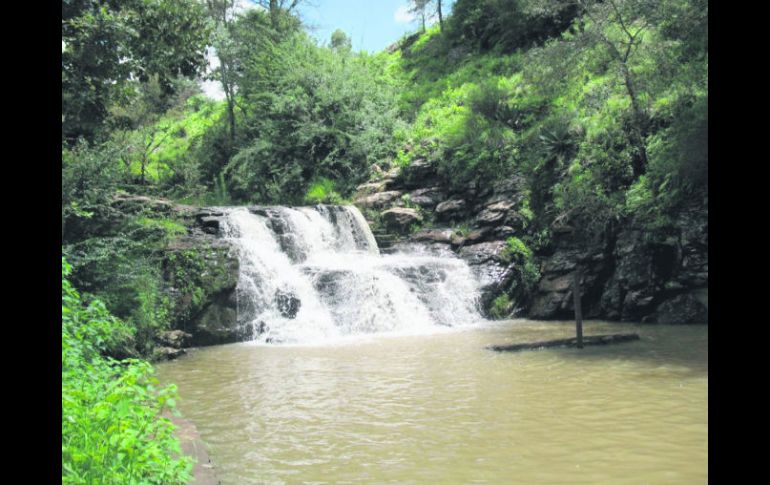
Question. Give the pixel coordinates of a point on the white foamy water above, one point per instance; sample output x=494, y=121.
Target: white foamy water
x=315, y=275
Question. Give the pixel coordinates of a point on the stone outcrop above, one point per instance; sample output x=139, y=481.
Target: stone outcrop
x=200, y=275
x=624, y=276
x=628, y=277
x=400, y=220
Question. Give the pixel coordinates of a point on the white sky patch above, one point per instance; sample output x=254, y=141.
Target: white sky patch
x=244, y=5
x=403, y=15
x=212, y=89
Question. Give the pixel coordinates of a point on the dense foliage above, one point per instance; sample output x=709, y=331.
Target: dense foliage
x=113, y=430
x=600, y=107
x=108, y=47
x=321, y=113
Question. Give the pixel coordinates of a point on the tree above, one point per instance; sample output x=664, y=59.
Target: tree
x=420, y=8
x=276, y=7
x=222, y=13
x=620, y=25
x=108, y=47
x=340, y=42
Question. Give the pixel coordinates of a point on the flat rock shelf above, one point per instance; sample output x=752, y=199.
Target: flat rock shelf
x=567, y=342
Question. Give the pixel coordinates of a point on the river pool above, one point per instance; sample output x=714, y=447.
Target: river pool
x=441, y=408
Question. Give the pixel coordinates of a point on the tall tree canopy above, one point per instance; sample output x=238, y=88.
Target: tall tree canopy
x=109, y=46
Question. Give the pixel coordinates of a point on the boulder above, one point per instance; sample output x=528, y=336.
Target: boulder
x=480, y=253
x=380, y=199
x=427, y=198
x=370, y=188
x=434, y=235
x=210, y=224
x=288, y=304
x=400, y=220
x=683, y=308
x=419, y=173
x=451, y=209
x=489, y=217
x=637, y=304
x=173, y=338
x=502, y=206
x=218, y=322
x=167, y=353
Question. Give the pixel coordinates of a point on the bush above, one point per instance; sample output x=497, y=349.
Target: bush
x=527, y=274
x=322, y=191
x=112, y=425
x=501, y=307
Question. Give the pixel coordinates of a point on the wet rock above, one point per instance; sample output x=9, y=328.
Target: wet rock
x=636, y=305
x=210, y=224
x=176, y=339
x=167, y=353
x=684, y=308
x=400, y=220
x=478, y=235
x=218, y=322
x=288, y=304
x=483, y=252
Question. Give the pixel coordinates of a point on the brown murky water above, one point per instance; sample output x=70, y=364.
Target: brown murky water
x=442, y=409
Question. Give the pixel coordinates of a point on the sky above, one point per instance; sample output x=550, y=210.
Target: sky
x=372, y=25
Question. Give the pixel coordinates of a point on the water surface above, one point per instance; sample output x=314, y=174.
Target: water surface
x=442, y=409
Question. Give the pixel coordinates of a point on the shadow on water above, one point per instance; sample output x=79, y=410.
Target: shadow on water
x=667, y=346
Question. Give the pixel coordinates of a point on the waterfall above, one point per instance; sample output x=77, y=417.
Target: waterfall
x=315, y=274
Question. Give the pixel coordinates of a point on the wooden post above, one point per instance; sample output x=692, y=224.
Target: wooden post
x=578, y=308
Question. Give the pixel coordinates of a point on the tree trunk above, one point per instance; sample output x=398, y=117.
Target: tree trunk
x=274, y=14
x=578, y=308
x=440, y=17
x=639, y=130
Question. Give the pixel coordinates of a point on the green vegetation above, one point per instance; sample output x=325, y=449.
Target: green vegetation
x=113, y=430
x=501, y=307
x=526, y=275
x=322, y=191
x=600, y=108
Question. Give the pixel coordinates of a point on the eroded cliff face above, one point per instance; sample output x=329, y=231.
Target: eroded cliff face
x=626, y=273
x=629, y=275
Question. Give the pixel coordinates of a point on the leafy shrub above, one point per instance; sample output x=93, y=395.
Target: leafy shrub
x=501, y=307
x=322, y=191
x=527, y=274
x=112, y=425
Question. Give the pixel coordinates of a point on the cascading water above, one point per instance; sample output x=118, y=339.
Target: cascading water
x=310, y=275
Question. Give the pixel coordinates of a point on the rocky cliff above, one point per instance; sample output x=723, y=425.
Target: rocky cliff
x=626, y=274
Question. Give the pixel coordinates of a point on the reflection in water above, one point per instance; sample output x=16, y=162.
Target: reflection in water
x=440, y=408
